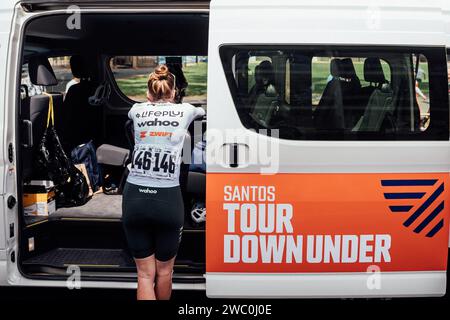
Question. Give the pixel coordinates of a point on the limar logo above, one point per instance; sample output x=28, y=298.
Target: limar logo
x=420, y=201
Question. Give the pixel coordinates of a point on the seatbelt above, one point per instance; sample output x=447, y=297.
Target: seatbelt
x=50, y=114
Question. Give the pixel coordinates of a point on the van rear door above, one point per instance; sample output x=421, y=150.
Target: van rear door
x=7, y=169
x=328, y=150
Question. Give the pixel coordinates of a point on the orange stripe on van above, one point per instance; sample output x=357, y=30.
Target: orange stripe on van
x=327, y=222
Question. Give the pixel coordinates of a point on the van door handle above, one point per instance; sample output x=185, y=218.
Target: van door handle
x=234, y=155
x=237, y=154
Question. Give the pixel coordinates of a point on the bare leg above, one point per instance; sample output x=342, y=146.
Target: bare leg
x=146, y=278
x=163, y=287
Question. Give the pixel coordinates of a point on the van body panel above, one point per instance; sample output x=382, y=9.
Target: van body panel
x=11, y=69
x=324, y=23
x=3, y=271
x=6, y=17
x=336, y=156
x=329, y=285
x=446, y=13
x=15, y=278
x=328, y=22
x=320, y=188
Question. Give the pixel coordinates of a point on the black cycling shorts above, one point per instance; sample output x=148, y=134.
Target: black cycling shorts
x=153, y=220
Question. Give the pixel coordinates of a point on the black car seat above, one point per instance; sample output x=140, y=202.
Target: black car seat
x=348, y=71
x=351, y=93
x=264, y=76
x=35, y=110
x=379, y=113
x=181, y=83
x=82, y=122
x=374, y=74
x=264, y=100
x=329, y=113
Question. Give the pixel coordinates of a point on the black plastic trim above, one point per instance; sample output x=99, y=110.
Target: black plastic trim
x=43, y=5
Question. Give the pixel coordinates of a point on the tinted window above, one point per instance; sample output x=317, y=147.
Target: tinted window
x=346, y=93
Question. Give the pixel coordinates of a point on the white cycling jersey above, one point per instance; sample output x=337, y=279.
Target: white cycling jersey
x=159, y=133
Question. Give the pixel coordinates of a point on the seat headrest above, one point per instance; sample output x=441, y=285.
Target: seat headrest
x=335, y=67
x=41, y=72
x=348, y=70
x=373, y=71
x=79, y=67
x=264, y=71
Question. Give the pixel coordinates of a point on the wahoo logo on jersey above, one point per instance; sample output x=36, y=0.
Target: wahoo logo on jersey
x=158, y=123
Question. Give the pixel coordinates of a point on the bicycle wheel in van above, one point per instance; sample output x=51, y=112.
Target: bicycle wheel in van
x=328, y=153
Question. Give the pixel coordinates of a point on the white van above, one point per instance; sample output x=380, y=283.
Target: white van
x=328, y=153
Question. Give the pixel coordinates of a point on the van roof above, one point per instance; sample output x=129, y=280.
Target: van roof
x=428, y=20
x=371, y=22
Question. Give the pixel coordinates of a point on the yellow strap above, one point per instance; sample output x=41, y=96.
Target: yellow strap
x=50, y=114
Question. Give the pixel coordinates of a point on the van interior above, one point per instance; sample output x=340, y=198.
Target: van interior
x=95, y=109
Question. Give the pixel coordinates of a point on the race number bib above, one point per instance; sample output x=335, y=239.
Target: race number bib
x=153, y=161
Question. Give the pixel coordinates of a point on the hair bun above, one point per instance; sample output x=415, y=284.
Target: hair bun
x=161, y=72
x=161, y=84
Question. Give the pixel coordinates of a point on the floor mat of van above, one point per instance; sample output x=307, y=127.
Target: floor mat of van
x=95, y=258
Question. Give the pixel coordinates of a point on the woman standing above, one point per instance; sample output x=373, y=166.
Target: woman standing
x=153, y=211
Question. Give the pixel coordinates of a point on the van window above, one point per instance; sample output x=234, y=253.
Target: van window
x=26, y=87
x=61, y=67
x=332, y=93
x=131, y=75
